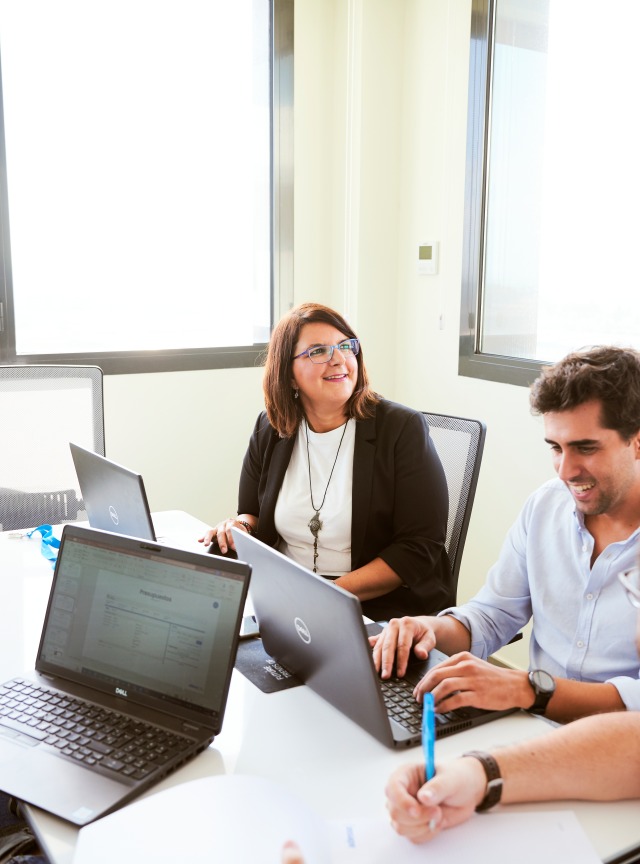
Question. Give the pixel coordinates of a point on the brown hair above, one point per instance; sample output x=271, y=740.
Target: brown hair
x=285, y=412
x=604, y=373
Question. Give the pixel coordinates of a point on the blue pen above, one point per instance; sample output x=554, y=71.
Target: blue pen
x=429, y=734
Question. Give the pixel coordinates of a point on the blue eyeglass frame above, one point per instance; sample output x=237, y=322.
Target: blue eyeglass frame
x=355, y=350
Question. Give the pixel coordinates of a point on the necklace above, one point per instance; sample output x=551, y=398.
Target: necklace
x=315, y=523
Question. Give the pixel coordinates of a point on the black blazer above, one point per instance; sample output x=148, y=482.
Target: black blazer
x=399, y=509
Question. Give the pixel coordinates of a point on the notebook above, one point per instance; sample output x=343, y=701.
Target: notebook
x=131, y=677
x=114, y=497
x=316, y=630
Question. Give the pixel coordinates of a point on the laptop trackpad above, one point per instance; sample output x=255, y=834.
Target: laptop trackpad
x=64, y=789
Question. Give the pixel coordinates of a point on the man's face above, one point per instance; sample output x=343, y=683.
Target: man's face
x=598, y=466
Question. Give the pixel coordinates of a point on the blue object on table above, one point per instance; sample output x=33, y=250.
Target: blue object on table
x=49, y=544
x=429, y=734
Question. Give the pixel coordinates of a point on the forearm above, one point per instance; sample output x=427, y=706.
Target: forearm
x=595, y=758
x=575, y=699
x=373, y=580
x=451, y=635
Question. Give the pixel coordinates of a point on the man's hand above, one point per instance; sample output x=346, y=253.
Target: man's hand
x=464, y=680
x=420, y=811
x=291, y=853
x=396, y=641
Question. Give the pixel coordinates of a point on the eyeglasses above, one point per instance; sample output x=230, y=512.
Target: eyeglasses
x=324, y=353
x=630, y=580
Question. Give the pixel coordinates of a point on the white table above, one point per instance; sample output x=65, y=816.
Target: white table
x=293, y=737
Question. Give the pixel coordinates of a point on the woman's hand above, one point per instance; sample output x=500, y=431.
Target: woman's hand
x=222, y=535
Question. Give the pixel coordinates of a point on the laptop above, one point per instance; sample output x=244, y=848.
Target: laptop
x=114, y=497
x=315, y=630
x=131, y=677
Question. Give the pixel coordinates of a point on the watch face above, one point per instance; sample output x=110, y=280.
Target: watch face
x=542, y=681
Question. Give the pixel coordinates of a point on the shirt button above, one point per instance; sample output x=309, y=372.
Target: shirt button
x=580, y=643
x=589, y=596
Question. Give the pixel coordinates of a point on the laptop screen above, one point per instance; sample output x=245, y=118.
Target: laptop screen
x=149, y=623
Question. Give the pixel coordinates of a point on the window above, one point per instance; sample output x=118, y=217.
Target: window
x=553, y=184
x=142, y=142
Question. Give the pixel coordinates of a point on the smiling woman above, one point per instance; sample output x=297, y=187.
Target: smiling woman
x=339, y=479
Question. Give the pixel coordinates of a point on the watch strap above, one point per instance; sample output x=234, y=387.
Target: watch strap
x=494, y=779
x=542, y=697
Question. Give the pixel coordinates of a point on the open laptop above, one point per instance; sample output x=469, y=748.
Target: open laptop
x=114, y=496
x=131, y=677
x=316, y=630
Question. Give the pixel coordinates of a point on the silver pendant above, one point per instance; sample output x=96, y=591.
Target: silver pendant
x=315, y=524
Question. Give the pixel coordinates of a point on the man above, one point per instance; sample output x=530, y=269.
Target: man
x=558, y=564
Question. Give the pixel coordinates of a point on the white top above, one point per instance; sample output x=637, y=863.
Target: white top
x=294, y=510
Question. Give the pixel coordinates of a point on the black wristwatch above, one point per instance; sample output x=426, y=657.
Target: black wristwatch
x=494, y=780
x=544, y=687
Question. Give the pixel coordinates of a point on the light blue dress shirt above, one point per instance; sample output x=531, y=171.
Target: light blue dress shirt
x=583, y=625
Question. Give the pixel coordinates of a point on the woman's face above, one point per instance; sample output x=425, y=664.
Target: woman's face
x=323, y=387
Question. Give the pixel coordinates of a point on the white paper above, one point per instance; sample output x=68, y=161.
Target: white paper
x=490, y=838
x=236, y=818
x=227, y=818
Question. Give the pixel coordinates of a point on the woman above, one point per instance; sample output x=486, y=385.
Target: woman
x=341, y=480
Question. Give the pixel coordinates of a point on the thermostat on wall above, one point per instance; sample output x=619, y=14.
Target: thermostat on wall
x=428, y=257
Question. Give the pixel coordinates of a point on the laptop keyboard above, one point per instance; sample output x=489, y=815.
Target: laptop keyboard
x=94, y=736
x=401, y=705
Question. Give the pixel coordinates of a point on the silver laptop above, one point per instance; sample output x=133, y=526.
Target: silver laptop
x=316, y=630
x=114, y=496
x=131, y=677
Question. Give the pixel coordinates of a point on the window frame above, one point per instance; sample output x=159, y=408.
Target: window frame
x=281, y=14
x=472, y=362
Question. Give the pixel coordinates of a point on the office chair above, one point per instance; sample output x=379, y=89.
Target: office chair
x=459, y=443
x=43, y=408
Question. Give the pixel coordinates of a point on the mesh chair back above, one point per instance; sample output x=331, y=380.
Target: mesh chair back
x=42, y=408
x=459, y=443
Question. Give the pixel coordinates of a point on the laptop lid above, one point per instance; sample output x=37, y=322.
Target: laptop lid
x=114, y=496
x=316, y=630
x=137, y=628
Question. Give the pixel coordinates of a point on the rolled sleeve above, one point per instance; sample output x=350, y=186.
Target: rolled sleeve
x=629, y=690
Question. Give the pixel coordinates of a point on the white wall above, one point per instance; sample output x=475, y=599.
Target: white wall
x=380, y=135
x=186, y=433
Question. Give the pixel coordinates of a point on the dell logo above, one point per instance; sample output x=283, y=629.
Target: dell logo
x=302, y=630
x=121, y=692
x=114, y=514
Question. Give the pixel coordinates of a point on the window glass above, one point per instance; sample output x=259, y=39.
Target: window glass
x=562, y=179
x=138, y=170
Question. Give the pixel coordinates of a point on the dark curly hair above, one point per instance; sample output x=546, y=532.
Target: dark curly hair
x=604, y=373
x=285, y=412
